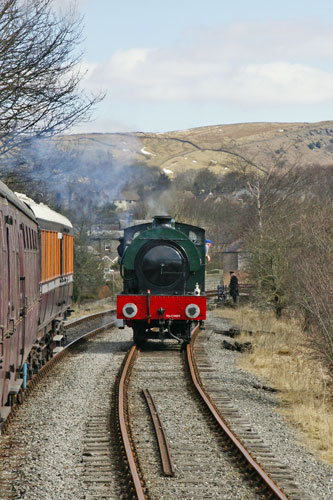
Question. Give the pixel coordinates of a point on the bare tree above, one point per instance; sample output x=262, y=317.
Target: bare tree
x=277, y=199
x=272, y=190
x=271, y=251
x=314, y=283
x=39, y=76
x=290, y=243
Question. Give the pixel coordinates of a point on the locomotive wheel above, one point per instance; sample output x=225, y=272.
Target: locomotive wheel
x=139, y=335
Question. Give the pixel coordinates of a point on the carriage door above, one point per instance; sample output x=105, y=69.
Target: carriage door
x=23, y=298
x=2, y=319
x=10, y=352
x=9, y=272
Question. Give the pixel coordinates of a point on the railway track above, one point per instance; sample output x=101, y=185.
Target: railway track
x=88, y=324
x=258, y=462
x=251, y=469
x=12, y=452
x=184, y=455
x=76, y=334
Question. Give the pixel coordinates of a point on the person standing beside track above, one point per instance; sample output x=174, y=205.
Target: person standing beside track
x=233, y=287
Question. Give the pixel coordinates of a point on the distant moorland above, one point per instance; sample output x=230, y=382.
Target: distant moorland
x=218, y=147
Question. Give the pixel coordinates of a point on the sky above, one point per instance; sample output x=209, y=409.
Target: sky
x=179, y=64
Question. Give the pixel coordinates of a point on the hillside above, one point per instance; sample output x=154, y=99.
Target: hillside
x=219, y=147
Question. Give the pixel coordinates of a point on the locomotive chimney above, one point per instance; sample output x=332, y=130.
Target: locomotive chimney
x=162, y=220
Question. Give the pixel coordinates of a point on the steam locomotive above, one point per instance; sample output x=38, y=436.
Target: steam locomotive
x=36, y=285
x=163, y=271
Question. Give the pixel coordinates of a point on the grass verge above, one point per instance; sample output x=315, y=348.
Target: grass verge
x=282, y=357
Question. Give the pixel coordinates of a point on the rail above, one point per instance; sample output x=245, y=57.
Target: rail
x=122, y=416
x=273, y=488
x=167, y=464
x=31, y=384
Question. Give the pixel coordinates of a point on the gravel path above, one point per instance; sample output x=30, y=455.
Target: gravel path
x=261, y=409
x=48, y=435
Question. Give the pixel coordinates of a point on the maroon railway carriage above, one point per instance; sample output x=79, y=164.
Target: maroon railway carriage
x=57, y=267
x=36, y=281
x=19, y=289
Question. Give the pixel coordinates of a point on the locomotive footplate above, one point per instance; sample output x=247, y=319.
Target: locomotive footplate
x=175, y=307
x=161, y=316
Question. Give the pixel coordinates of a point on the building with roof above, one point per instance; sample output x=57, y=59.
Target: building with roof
x=235, y=258
x=126, y=200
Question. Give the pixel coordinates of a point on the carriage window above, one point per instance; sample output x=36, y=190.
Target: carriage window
x=24, y=239
x=34, y=240
x=8, y=263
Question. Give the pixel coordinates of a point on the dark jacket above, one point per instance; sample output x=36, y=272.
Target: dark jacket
x=233, y=285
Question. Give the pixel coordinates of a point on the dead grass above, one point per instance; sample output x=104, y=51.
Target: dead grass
x=280, y=357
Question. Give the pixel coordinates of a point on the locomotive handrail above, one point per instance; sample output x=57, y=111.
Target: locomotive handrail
x=121, y=268
x=162, y=238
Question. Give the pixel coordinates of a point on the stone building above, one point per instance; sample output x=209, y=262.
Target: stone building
x=126, y=200
x=235, y=258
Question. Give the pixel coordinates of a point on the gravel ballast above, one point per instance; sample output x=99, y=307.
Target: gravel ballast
x=47, y=436
x=49, y=430
x=204, y=469
x=260, y=407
